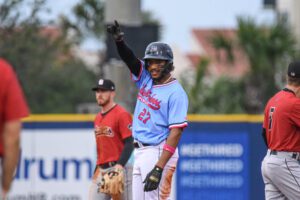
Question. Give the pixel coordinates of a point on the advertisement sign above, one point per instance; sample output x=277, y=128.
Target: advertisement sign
x=56, y=164
x=213, y=165
x=59, y=154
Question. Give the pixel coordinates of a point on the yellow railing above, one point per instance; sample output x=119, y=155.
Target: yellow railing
x=59, y=117
x=191, y=118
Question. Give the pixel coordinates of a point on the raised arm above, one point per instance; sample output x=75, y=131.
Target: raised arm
x=126, y=54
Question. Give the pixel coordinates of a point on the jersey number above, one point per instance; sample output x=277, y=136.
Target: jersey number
x=144, y=116
x=272, y=110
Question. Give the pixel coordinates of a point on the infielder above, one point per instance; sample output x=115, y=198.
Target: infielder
x=114, y=145
x=159, y=117
x=281, y=132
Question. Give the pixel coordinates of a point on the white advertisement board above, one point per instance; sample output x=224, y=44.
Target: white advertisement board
x=56, y=164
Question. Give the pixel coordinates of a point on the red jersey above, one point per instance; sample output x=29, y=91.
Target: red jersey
x=282, y=122
x=12, y=102
x=114, y=126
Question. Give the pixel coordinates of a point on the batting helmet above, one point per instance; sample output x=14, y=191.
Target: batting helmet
x=160, y=51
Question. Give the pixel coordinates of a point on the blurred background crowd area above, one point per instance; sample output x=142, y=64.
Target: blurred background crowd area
x=224, y=69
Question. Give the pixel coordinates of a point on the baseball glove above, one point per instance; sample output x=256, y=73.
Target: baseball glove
x=112, y=182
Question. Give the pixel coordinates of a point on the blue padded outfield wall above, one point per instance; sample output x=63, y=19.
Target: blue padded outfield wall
x=220, y=158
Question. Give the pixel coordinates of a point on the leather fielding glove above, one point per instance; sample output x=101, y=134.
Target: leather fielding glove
x=153, y=178
x=115, y=31
x=112, y=182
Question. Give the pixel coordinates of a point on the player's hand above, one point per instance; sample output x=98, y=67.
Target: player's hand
x=153, y=178
x=115, y=31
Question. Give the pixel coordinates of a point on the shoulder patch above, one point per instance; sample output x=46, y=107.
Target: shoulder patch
x=129, y=126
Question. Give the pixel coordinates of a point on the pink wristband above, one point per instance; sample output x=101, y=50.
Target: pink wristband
x=169, y=148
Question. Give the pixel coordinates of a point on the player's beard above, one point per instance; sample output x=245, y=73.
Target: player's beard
x=103, y=102
x=162, y=72
x=156, y=74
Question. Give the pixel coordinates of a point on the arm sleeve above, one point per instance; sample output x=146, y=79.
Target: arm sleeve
x=126, y=54
x=264, y=136
x=125, y=123
x=266, y=118
x=265, y=125
x=127, y=150
x=178, y=107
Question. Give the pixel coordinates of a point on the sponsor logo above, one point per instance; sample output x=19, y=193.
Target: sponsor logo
x=55, y=169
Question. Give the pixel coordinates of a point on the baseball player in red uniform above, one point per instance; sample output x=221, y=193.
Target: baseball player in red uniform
x=281, y=132
x=12, y=108
x=113, y=138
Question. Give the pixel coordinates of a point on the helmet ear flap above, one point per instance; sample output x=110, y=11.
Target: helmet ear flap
x=168, y=67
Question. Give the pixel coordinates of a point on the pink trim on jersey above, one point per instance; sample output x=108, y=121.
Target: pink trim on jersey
x=162, y=85
x=141, y=71
x=183, y=125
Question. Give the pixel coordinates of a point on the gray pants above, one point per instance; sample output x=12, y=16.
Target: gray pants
x=127, y=194
x=281, y=175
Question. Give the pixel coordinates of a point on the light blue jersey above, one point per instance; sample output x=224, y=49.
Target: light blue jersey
x=159, y=108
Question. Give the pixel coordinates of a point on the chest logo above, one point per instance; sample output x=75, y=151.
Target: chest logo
x=148, y=98
x=103, y=131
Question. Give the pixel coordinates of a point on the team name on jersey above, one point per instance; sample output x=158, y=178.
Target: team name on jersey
x=148, y=98
x=103, y=131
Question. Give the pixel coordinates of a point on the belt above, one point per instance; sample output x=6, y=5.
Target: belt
x=294, y=155
x=140, y=145
x=107, y=165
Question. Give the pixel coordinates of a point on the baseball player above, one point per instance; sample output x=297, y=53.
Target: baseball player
x=13, y=107
x=281, y=132
x=159, y=117
x=114, y=141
